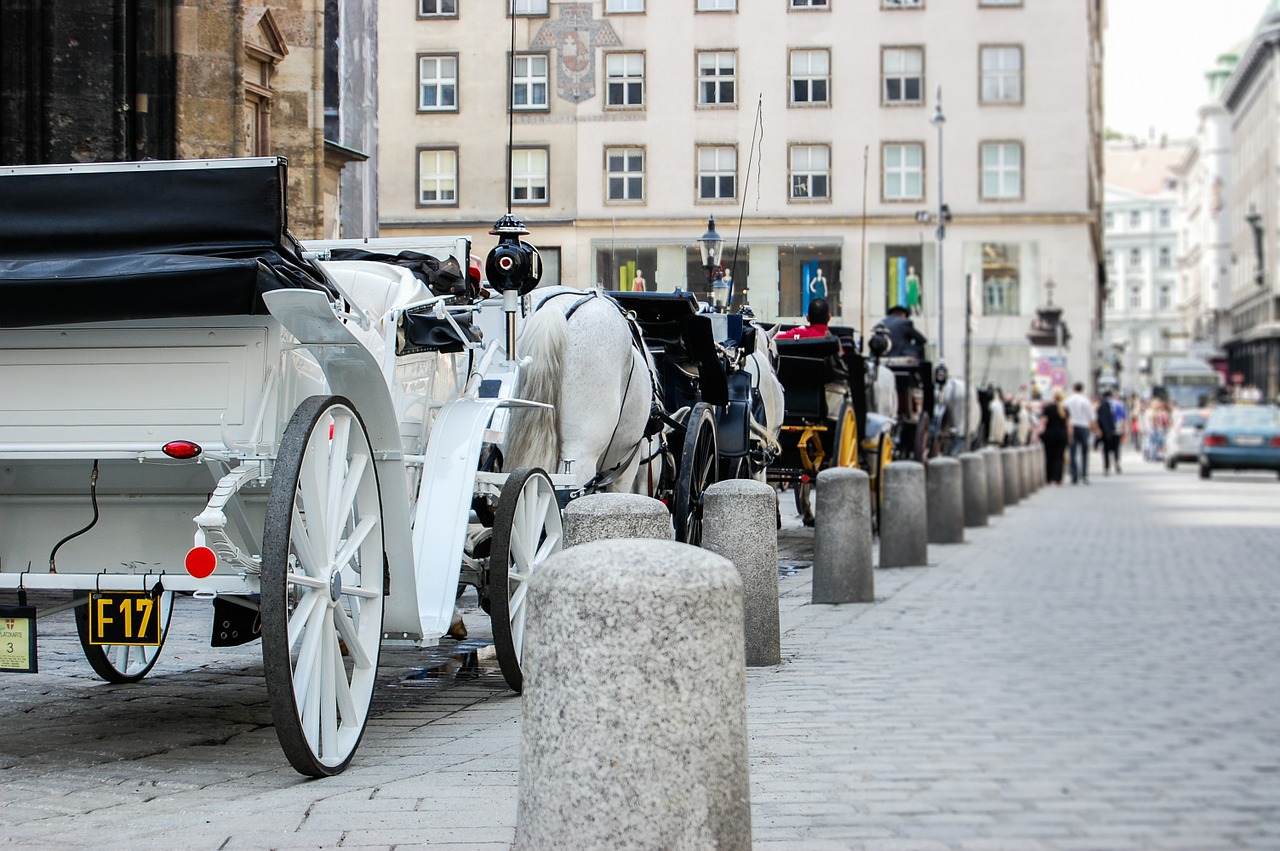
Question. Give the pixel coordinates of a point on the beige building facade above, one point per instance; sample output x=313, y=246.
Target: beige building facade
x=804, y=127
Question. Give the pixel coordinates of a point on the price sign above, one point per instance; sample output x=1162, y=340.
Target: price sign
x=18, y=639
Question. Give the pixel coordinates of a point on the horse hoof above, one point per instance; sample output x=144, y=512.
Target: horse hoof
x=457, y=630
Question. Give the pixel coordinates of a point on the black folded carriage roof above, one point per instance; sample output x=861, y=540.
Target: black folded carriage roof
x=147, y=240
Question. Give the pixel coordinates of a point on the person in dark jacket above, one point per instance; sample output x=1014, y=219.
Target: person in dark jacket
x=904, y=340
x=1109, y=431
x=1055, y=434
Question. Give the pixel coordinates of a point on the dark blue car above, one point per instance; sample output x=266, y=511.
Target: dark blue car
x=1241, y=437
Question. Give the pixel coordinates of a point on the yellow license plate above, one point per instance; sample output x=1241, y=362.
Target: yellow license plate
x=124, y=617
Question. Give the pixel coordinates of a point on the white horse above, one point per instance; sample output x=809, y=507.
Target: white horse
x=885, y=389
x=998, y=431
x=954, y=394
x=761, y=365
x=586, y=362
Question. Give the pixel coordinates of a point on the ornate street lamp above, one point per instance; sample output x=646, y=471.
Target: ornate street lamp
x=710, y=245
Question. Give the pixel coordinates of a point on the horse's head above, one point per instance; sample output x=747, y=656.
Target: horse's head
x=767, y=345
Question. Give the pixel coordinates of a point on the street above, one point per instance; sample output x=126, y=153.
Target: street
x=1094, y=670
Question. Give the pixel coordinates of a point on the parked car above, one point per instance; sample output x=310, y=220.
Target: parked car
x=1183, y=442
x=1241, y=437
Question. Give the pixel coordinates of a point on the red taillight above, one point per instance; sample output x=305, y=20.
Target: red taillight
x=1274, y=443
x=201, y=561
x=183, y=450
x=1215, y=440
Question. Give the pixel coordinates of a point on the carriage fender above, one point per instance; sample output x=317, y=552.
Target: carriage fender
x=444, y=503
x=352, y=371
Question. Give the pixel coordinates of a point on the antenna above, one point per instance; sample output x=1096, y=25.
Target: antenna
x=758, y=130
x=862, y=298
x=511, y=110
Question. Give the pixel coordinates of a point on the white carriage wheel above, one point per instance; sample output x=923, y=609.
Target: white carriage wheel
x=696, y=473
x=322, y=585
x=123, y=663
x=527, y=530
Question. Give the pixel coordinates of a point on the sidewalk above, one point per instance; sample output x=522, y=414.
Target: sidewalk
x=1097, y=669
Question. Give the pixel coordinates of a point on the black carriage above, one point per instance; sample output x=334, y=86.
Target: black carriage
x=706, y=399
x=829, y=420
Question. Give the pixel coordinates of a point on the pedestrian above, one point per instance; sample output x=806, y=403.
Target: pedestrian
x=1054, y=432
x=819, y=316
x=1110, y=427
x=1084, y=425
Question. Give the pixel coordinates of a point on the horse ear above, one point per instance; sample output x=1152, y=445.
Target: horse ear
x=773, y=332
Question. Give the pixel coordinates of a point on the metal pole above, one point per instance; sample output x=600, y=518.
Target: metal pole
x=941, y=233
x=968, y=335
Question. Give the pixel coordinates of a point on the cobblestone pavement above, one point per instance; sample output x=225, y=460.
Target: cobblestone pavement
x=1095, y=670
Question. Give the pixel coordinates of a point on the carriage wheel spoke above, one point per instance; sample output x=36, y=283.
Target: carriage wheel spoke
x=347, y=632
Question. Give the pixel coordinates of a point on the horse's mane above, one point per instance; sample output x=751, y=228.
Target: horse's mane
x=533, y=438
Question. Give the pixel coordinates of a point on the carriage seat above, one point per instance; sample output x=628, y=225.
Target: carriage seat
x=805, y=367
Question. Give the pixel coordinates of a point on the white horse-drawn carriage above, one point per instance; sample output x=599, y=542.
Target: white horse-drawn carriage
x=196, y=405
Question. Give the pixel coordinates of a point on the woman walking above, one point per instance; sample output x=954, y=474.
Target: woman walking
x=1055, y=434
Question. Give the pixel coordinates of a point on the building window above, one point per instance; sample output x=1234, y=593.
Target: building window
x=1001, y=170
x=1108, y=221
x=618, y=7
x=1166, y=219
x=437, y=8
x=902, y=4
x=1165, y=257
x=1111, y=259
x=809, y=4
x=529, y=82
x=625, y=84
x=625, y=174
x=1166, y=296
x=716, y=78
x=438, y=178
x=1135, y=219
x=437, y=84
x=717, y=173
x=1001, y=290
x=528, y=7
x=903, y=177
x=717, y=5
x=810, y=173
x=810, y=76
x=1135, y=257
x=1135, y=296
x=529, y=176
x=1111, y=299
x=1001, y=74
x=902, y=69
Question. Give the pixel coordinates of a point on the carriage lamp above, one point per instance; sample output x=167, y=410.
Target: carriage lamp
x=709, y=245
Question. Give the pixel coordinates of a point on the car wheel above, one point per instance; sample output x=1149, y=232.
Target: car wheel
x=1171, y=464
x=1205, y=470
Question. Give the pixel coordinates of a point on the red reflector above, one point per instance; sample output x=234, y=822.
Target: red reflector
x=331, y=431
x=181, y=449
x=805, y=479
x=201, y=561
x=1215, y=440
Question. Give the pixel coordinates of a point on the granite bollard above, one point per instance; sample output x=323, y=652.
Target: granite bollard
x=606, y=516
x=904, y=516
x=995, y=482
x=944, y=486
x=633, y=724
x=1009, y=473
x=973, y=468
x=843, y=561
x=740, y=522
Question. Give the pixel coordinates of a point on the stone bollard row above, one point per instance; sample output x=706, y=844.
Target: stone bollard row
x=843, y=564
x=974, y=473
x=944, y=485
x=633, y=728
x=740, y=522
x=995, y=482
x=904, y=516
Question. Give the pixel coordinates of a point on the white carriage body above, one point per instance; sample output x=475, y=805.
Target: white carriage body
x=116, y=392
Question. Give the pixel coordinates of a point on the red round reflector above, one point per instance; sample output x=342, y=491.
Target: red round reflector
x=201, y=561
x=181, y=449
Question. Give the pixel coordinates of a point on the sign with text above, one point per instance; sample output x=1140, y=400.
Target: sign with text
x=18, y=639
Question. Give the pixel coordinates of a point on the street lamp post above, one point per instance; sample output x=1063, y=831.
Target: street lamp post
x=1255, y=224
x=709, y=246
x=938, y=120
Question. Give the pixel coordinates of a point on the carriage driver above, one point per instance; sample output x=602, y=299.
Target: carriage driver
x=819, y=317
x=900, y=347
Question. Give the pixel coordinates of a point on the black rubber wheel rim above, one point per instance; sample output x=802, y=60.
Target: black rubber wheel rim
x=527, y=530
x=804, y=502
x=118, y=663
x=697, y=472
x=323, y=577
